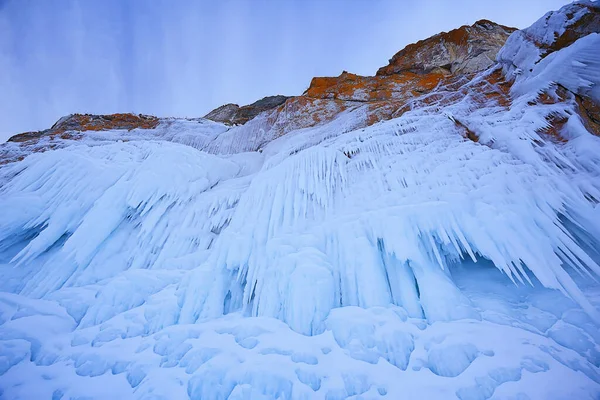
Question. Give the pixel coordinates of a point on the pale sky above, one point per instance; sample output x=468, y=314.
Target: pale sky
x=184, y=57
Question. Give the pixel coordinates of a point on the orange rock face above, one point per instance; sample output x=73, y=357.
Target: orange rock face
x=436, y=72
x=88, y=122
x=464, y=50
x=414, y=72
x=351, y=87
x=417, y=70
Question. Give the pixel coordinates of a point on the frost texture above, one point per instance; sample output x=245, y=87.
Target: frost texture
x=335, y=262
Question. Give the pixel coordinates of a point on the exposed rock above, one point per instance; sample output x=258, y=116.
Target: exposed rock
x=232, y=114
x=451, y=67
x=353, y=87
x=589, y=111
x=463, y=50
x=414, y=71
x=226, y=113
x=89, y=122
x=584, y=19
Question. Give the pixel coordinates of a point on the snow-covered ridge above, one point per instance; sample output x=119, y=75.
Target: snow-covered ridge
x=448, y=251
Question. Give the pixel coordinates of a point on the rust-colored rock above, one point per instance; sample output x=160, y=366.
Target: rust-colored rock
x=69, y=128
x=589, y=111
x=451, y=67
x=352, y=87
x=463, y=50
x=417, y=70
x=89, y=122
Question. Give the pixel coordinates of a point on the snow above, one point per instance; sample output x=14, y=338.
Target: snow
x=371, y=352
x=577, y=68
x=400, y=260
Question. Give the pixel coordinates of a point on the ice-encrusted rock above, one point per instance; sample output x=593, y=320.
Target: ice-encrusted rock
x=559, y=49
x=554, y=31
x=89, y=122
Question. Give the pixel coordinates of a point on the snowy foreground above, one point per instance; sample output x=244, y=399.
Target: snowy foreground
x=398, y=261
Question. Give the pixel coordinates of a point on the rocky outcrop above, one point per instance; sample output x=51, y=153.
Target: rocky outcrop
x=464, y=50
x=88, y=122
x=410, y=76
x=225, y=114
x=232, y=114
x=434, y=64
x=416, y=70
x=448, y=68
x=351, y=87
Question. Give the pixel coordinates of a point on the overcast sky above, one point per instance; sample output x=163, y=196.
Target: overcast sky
x=184, y=58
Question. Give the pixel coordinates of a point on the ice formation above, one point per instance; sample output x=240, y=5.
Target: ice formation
x=399, y=260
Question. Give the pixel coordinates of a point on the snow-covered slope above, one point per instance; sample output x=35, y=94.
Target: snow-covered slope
x=449, y=251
